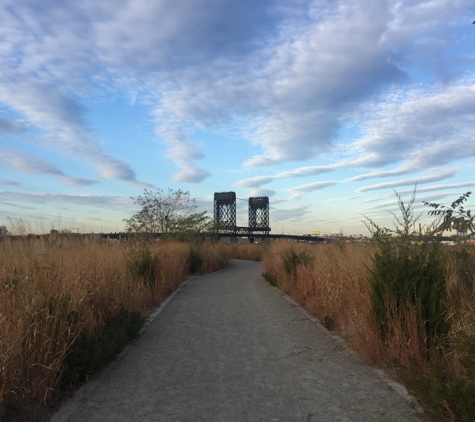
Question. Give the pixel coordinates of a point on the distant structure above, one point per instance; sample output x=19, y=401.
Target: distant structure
x=259, y=214
x=225, y=214
x=225, y=210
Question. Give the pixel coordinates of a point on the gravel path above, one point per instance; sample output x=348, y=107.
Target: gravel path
x=229, y=347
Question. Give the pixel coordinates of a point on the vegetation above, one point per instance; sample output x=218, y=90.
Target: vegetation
x=404, y=302
x=454, y=217
x=171, y=213
x=68, y=304
x=407, y=273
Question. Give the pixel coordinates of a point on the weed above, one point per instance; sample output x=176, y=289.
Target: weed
x=141, y=264
x=270, y=279
x=407, y=273
x=195, y=259
x=465, y=270
x=329, y=323
x=92, y=351
x=292, y=258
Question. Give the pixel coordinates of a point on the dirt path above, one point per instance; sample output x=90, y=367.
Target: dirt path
x=229, y=347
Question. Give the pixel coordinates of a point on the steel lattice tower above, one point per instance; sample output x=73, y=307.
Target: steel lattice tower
x=259, y=214
x=225, y=210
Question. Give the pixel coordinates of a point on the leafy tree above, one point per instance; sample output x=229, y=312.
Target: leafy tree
x=4, y=231
x=167, y=212
x=454, y=217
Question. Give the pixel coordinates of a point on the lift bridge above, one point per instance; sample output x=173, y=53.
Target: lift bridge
x=225, y=215
x=225, y=220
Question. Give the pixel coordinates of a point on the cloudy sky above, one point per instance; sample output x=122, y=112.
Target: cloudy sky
x=325, y=106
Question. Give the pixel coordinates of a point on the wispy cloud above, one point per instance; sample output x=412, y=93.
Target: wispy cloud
x=298, y=191
x=262, y=192
x=441, y=187
x=421, y=129
x=27, y=163
x=9, y=183
x=258, y=181
x=11, y=126
x=61, y=118
x=291, y=214
x=101, y=201
x=442, y=175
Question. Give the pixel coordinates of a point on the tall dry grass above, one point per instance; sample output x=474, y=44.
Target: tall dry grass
x=333, y=283
x=57, y=290
x=333, y=286
x=250, y=251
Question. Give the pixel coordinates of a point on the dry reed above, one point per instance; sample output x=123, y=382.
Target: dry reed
x=332, y=282
x=334, y=286
x=56, y=288
x=248, y=251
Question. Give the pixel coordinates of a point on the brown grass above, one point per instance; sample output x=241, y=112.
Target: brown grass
x=334, y=287
x=56, y=288
x=249, y=251
x=332, y=282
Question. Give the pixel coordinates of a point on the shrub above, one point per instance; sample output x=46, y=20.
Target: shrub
x=292, y=258
x=141, y=264
x=195, y=259
x=465, y=270
x=411, y=274
x=408, y=270
x=270, y=279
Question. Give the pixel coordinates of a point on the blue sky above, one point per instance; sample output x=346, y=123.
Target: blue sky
x=324, y=106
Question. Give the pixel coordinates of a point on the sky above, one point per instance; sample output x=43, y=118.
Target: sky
x=327, y=107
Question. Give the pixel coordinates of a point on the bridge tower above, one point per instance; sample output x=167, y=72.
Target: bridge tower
x=259, y=214
x=225, y=211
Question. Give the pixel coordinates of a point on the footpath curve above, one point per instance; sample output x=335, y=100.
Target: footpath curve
x=229, y=347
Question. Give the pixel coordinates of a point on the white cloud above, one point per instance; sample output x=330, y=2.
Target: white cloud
x=27, y=163
x=299, y=191
x=61, y=119
x=119, y=203
x=291, y=214
x=319, y=77
x=434, y=177
x=11, y=126
x=288, y=174
x=423, y=128
x=165, y=35
x=256, y=192
x=441, y=187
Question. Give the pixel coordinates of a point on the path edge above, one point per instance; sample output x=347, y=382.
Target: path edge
x=393, y=385
x=70, y=406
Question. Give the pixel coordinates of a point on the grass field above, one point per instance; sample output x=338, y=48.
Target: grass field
x=68, y=304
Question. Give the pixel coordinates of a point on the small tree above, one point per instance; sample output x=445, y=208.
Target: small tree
x=4, y=231
x=167, y=212
x=453, y=217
